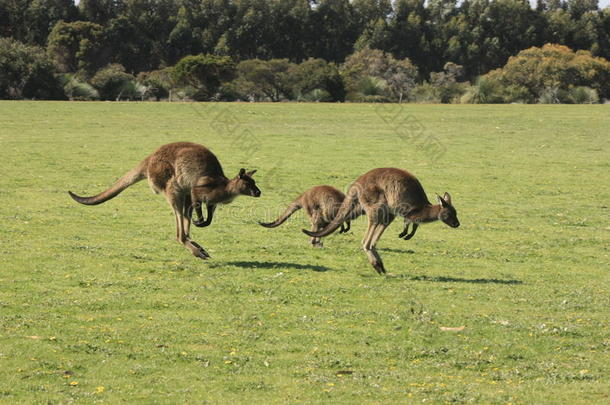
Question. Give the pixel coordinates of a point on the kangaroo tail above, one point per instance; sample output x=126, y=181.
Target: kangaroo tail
x=346, y=212
x=133, y=176
x=292, y=208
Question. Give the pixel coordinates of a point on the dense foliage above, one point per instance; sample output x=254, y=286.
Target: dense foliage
x=26, y=72
x=416, y=40
x=552, y=68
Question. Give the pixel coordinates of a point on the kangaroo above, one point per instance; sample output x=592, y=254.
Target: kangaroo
x=188, y=175
x=321, y=204
x=382, y=194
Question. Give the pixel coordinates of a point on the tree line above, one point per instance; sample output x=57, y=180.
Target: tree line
x=273, y=46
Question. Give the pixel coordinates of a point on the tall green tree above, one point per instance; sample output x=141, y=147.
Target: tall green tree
x=78, y=46
x=204, y=72
x=27, y=72
x=265, y=80
x=335, y=30
x=31, y=21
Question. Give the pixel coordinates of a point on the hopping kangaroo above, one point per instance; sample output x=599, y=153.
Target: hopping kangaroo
x=382, y=194
x=188, y=175
x=321, y=204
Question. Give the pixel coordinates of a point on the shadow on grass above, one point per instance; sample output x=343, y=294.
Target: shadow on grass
x=441, y=279
x=273, y=265
x=409, y=251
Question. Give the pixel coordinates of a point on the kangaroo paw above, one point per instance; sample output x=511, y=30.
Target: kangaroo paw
x=379, y=267
x=198, y=251
x=200, y=223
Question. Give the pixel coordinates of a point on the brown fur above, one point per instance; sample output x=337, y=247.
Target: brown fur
x=321, y=204
x=383, y=194
x=188, y=175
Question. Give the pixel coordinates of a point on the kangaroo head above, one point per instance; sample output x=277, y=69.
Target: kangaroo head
x=245, y=184
x=447, y=214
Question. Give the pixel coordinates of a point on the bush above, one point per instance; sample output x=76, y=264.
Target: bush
x=113, y=83
x=74, y=89
x=550, y=95
x=396, y=76
x=317, y=95
x=583, y=95
x=184, y=93
x=205, y=73
x=445, y=83
x=369, y=89
x=158, y=83
x=132, y=90
x=425, y=93
x=486, y=90
x=548, y=73
x=315, y=77
x=261, y=80
x=27, y=72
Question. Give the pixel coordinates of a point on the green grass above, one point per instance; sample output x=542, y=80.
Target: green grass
x=100, y=304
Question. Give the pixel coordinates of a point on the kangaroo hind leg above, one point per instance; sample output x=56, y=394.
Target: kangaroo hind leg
x=378, y=223
x=317, y=224
x=181, y=205
x=187, y=214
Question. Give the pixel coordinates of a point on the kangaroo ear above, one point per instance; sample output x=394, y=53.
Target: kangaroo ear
x=242, y=172
x=441, y=201
x=251, y=172
x=447, y=198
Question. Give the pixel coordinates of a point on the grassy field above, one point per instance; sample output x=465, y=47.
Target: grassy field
x=100, y=304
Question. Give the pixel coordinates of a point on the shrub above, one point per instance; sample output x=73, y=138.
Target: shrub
x=548, y=73
x=583, y=95
x=397, y=76
x=550, y=95
x=27, y=72
x=132, y=90
x=265, y=80
x=486, y=90
x=445, y=83
x=369, y=89
x=74, y=89
x=317, y=95
x=425, y=93
x=158, y=83
x=205, y=73
x=319, y=77
x=112, y=83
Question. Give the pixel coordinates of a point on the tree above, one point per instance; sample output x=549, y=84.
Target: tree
x=101, y=11
x=334, y=30
x=291, y=35
x=317, y=74
x=260, y=80
x=158, y=82
x=445, y=83
x=371, y=17
x=397, y=77
x=30, y=21
x=204, y=72
x=251, y=33
x=400, y=78
x=536, y=70
x=112, y=82
x=27, y=72
x=78, y=46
